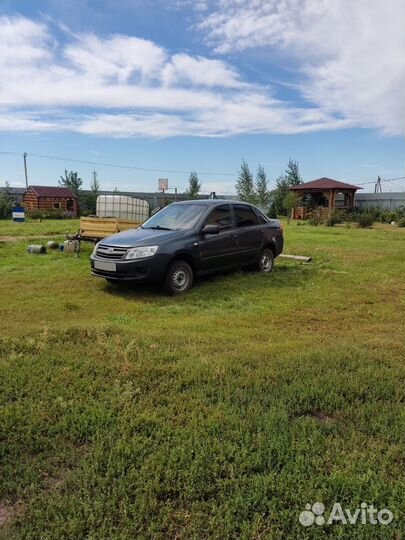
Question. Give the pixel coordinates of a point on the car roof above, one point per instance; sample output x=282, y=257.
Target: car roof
x=211, y=202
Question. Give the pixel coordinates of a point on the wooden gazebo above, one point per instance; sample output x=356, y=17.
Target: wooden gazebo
x=322, y=197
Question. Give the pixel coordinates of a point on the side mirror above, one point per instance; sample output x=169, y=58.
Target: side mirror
x=210, y=229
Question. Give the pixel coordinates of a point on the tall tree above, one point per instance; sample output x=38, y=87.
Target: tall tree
x=291, y=177
x=289, y=203
x=262, y=190
x=6, y=202
x=95, y=184
x=91, y=198
x=72, y=181
x=292, y=173
x=194, y=186
x=244, y=184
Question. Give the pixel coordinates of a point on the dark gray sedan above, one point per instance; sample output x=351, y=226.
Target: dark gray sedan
x=187, y=239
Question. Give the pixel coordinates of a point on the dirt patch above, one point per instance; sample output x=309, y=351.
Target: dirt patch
x=321, y=416
x=8, y=512
x=30, y=237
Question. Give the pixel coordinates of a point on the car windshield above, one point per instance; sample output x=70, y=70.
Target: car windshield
x=176, y=217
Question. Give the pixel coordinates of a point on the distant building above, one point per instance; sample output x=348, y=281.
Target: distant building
x=16, y=194
x=50, y=198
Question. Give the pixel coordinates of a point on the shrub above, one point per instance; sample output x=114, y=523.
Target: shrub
x=401, y=222
x=387, y=216
x=67, y=214
x=365, y=219
x=5, y=206
x=272, y=212
x=375, y=213
x=336, y=217
x=45, y=214
x=400, y=212
x=315, y=219
x=350, y=216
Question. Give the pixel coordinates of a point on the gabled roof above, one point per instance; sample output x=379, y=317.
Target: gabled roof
x=323, y=183
x=50, y=191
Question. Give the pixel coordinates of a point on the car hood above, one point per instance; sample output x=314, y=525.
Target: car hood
x=140, y=237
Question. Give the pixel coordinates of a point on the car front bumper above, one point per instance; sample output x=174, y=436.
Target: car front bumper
x=144, y=270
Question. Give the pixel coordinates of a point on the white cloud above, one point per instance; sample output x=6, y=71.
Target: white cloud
x=200, y=71
x=350, y=53
x=23, y=42
x=118, y=57
x=124, y=86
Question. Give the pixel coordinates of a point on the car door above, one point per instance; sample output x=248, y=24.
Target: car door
x=250, y=233
x=218, y=250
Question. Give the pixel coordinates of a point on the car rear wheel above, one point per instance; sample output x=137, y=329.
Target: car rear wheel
x=179, y=278
x=266, y=261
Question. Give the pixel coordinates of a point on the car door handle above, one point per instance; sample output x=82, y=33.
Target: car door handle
x=234, y=236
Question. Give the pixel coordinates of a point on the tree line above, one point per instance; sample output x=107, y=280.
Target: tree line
x=276, y=202
x=249, y=188
x=255, y=190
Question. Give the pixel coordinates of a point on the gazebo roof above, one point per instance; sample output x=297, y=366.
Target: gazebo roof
x=324, y=184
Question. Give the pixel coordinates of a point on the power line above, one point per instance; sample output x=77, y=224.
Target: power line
x=172, y=171
x=120, y=166
x=382, y=180
x=397, y=185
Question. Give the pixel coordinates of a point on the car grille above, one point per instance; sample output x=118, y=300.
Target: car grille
x=110, y=253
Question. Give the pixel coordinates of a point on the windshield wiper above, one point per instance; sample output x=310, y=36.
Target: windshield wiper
x=159, y=228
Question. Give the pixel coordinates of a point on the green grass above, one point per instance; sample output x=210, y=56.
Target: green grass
x=32, y=228
x=125, y=414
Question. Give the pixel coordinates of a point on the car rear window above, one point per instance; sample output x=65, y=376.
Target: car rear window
x=221, y=216
x=245, y=216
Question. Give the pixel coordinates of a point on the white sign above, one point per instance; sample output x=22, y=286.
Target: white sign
x=163, y=184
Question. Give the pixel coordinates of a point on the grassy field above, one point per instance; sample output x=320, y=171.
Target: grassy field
x=128, y=415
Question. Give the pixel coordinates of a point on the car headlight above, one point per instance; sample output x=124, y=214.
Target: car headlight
x=141, y=252
x=95, y=248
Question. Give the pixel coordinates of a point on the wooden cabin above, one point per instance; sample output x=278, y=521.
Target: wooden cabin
x=51, y=198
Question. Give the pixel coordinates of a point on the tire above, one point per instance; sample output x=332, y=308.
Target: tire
x=265, y=264
x=179, y=278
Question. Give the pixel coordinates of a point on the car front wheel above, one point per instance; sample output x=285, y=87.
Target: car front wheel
x=266, y=261
x=179, y=278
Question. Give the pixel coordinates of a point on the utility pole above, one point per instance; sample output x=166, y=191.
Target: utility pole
x=378, y=187
x=25, y=169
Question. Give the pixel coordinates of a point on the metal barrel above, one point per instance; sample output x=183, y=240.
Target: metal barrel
x=36, y=248
x=52, y=244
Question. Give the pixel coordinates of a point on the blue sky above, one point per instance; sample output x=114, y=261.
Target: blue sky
x=183, y=85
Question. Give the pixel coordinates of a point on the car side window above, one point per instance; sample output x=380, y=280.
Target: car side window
x=221, y=216
x=261, y=219
x=245, y=216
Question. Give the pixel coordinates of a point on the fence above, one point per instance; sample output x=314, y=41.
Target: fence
x=385, y=201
